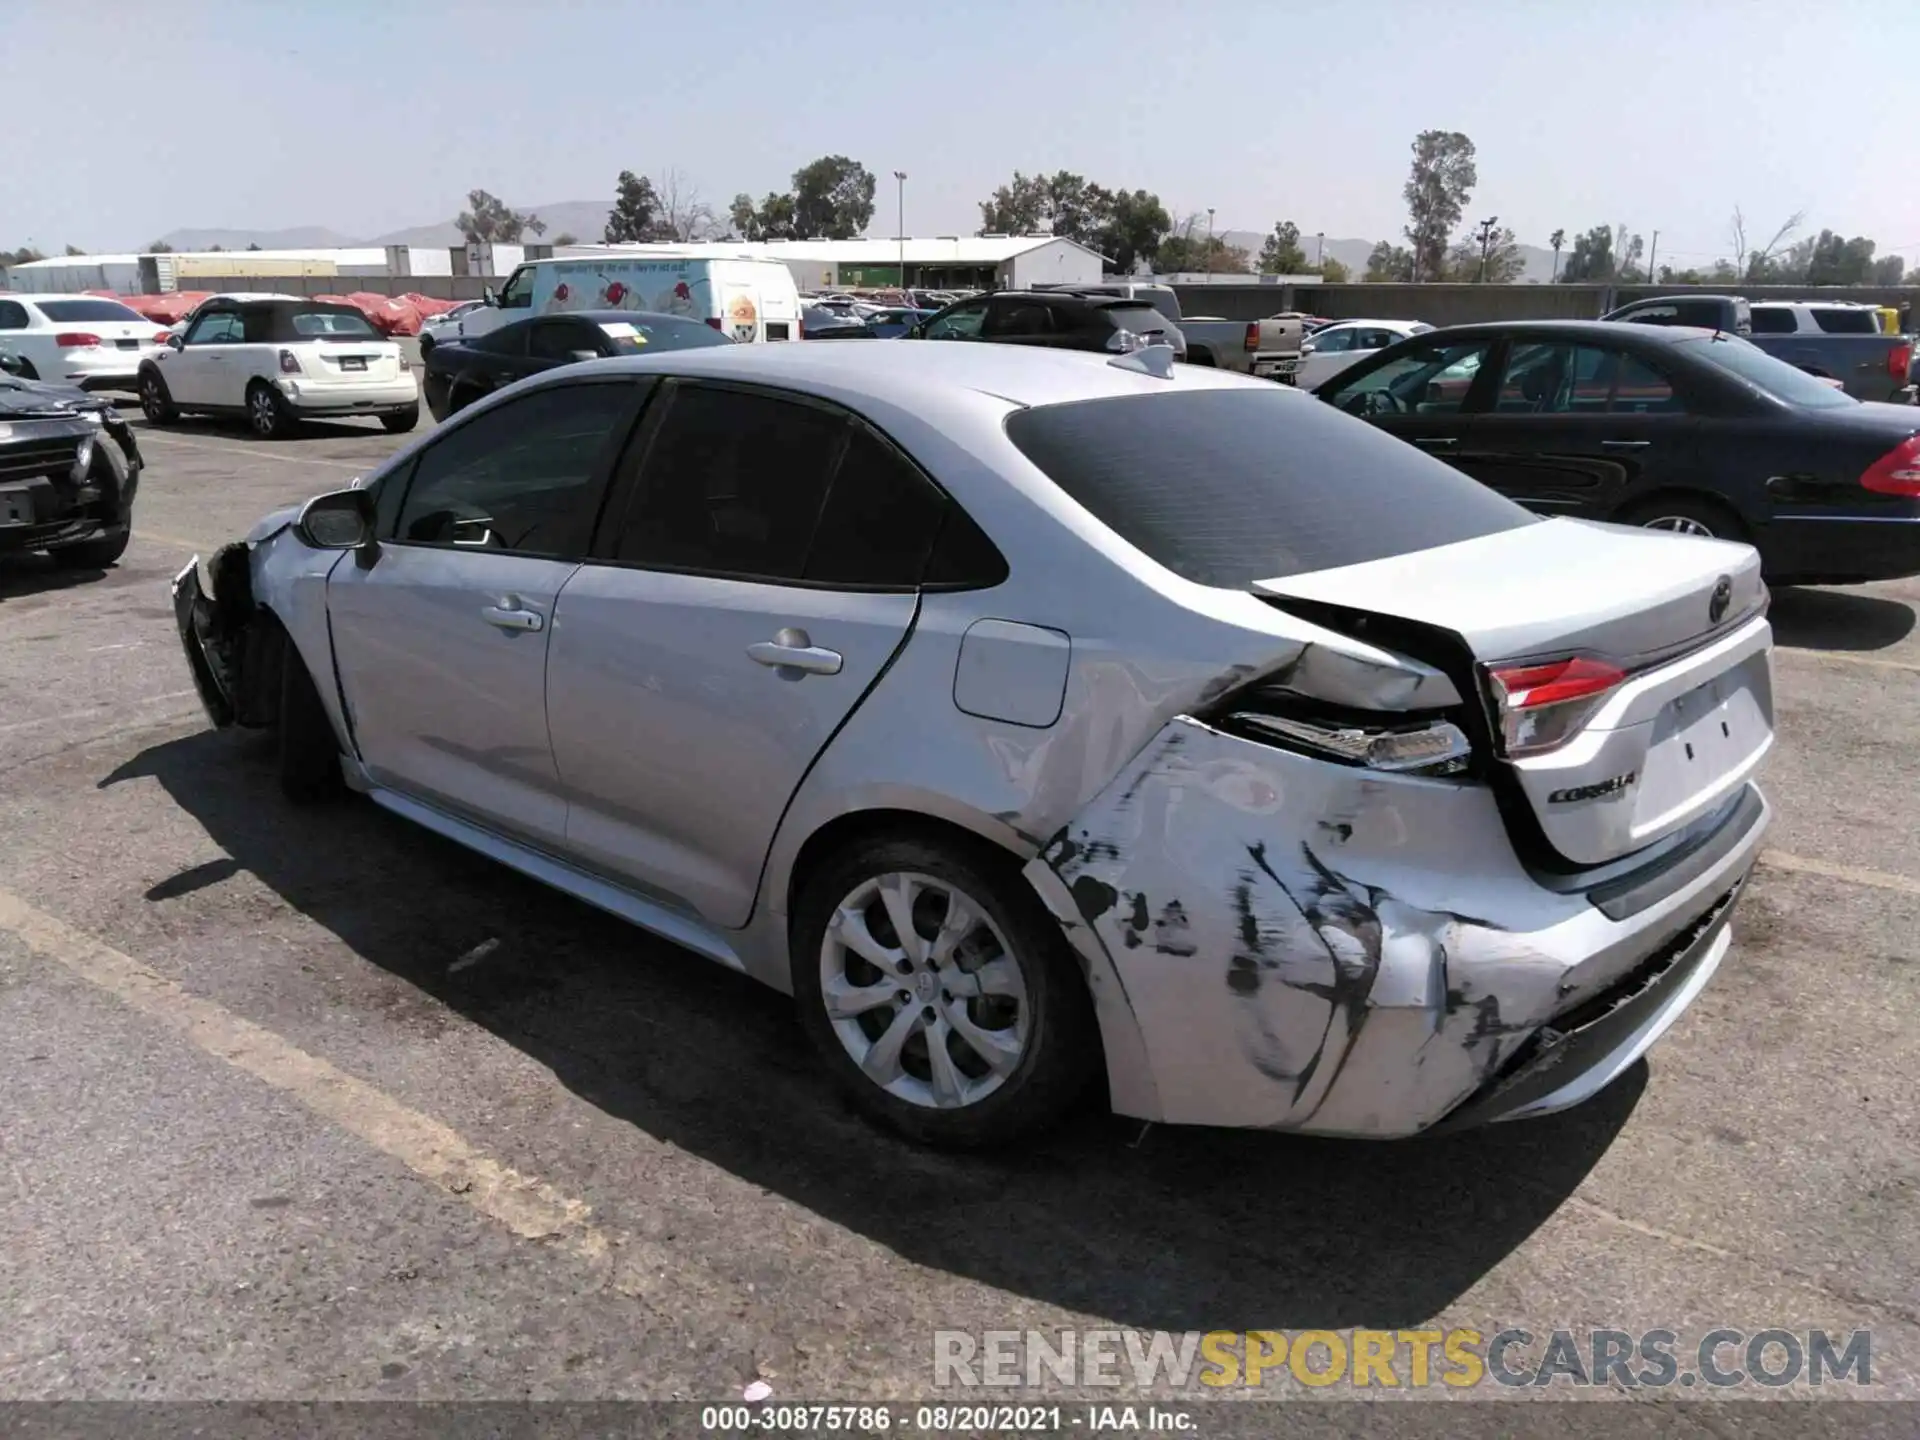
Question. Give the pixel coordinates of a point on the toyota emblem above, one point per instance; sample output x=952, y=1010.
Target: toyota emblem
x=1722, y=598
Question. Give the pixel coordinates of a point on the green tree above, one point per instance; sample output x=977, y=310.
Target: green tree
x=1438, y=187
x=25, y=255
x=1388, y=262
x=634, y=207
x=1591, y=258
x=771, y=219
x=1190, y=253
x=1333, y=272
x=1130, y=235
x=1887, y=270
x=1280, y=252
x=1841, y=262
x=1020, y=207
x=488, y=220
x=75, y=250
x=1558, y=240
x=566, y=237
x=252, y=246
x=832, y=197
x=159, y=247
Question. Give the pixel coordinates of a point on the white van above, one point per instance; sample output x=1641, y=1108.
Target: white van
x=745, y=298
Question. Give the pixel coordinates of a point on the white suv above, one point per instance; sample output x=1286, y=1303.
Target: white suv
x=86, y=340
x=278, y=362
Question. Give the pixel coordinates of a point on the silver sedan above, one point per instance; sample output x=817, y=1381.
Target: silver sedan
x=1036, y=718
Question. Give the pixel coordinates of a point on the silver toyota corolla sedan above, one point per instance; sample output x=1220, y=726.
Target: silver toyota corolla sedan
x=1035, y=718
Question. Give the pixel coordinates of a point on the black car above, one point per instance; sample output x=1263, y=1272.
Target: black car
x=1054, y=319
x=69, y=469
x=458, y=372
x=1677, y=429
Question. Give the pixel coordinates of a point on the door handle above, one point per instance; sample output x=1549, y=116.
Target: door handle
x=1624, y=444
x=1436, y=442
x=512, y=614
x=793, y=650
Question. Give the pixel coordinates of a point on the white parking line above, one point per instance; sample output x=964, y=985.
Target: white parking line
x=253, y=452
x=1853, y=875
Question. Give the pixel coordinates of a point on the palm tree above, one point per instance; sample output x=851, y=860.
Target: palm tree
x=1557, y=239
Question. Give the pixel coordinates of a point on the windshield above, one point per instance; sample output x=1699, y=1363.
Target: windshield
x=1775, y=377
x=69, y=311
x=1226, y=487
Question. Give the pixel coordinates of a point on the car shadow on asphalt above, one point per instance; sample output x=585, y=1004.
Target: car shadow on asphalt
x=1156, y=1227
x=1810, y=619
x=36, y=574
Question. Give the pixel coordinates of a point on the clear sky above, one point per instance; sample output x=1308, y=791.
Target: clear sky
x=128, y=118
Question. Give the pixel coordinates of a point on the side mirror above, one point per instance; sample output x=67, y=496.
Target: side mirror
x=11, y=363
x=174, y=341
x=488, y=297
x=339, y=520
x=1307, y=347
x=584, y=355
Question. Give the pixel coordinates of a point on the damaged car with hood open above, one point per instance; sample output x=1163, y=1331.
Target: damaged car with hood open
x=1037, y=719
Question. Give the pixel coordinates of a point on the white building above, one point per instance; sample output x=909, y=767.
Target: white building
x=974, y=262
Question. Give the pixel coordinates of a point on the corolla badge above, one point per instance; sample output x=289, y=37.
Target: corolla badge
x=1722, y=598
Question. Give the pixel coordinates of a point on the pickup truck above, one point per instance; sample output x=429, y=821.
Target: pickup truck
x=1270, y=348
x=1866, y=363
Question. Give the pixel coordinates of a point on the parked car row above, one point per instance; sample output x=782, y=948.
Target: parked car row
x=1831, y=340
x=1699, y=431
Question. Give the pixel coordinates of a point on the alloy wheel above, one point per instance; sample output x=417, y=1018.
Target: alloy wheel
x=152, y=403
x=923, y=991
x=1679, y=524
x=264, y=412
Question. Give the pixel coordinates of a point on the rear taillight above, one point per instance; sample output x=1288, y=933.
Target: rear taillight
x=75, y=340
x=289, y=363
x=714, y=321
x=1898, y=359
x=1252, y=341
x=1898, y=471
x=160, y=337
x=1541, y=707
x=799, y=329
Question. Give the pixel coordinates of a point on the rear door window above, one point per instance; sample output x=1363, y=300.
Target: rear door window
x=1139, y=317
x=1226, y=487
x=1845, y=320
x=1018, y=319
x=1773, y=321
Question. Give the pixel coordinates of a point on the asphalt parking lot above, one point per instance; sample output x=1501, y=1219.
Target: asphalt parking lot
x=310, y=1104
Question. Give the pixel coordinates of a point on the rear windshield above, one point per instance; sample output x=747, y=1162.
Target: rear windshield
x=1773, y=322
x=1836, y=321
x=1777, y=378
x=332, y=325
x=1226, y=487
x=1139, y=317
x=96, y=310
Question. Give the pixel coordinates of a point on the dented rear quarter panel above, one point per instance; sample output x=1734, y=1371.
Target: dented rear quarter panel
x=1322, y=948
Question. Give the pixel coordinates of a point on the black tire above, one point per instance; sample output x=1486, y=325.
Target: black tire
x=156, y=401
x=426, y=345
x=309, y=750
x=267, y=413
x=1201, y=357
x=1678, y=512
x=1060, y=1057
x=461, y=395
x=401, y=421
x=95, y=554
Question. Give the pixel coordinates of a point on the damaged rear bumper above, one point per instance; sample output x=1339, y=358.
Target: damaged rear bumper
x=1275, y=941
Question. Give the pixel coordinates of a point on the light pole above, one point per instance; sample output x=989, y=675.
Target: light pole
x=1210, y=242
x=901, y=176
x=1486, y=243
x=1320, y=251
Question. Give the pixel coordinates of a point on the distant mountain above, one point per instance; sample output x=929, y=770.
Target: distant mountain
x=1353, y=253
x=585, y=220
x=300, y=237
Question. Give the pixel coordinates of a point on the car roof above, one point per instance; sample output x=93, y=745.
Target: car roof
x=901, y=372
x=606, y=317
x=1611, y=330
x=39, y=298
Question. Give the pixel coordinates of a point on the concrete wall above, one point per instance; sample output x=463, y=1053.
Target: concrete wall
x=1467, y=304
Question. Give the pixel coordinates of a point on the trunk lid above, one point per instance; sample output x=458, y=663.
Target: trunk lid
x=1682, y=619
x=351, y=361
